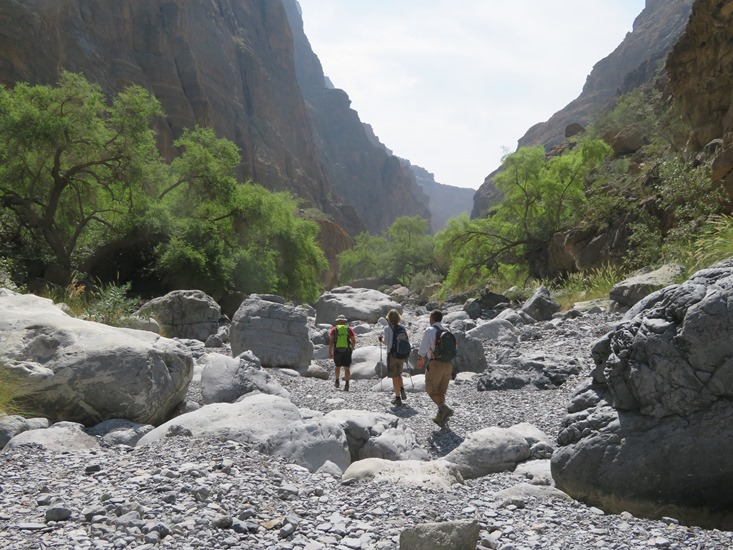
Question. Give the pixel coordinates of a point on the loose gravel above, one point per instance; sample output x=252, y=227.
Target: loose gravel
x=187, y=493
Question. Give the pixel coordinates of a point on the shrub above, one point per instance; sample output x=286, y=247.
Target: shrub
x=715, y=241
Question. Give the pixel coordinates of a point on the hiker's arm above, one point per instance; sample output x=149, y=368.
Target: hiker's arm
x=420, y=360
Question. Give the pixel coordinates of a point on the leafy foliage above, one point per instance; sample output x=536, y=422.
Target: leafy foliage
x=405, y=250
x=70, y=165
x=715, y=241
x=78, y=174
x=541, y=196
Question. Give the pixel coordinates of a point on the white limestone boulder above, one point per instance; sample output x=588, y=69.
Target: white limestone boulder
x=60, y=437
x=89, y=372
x=361, y=304
x=435, y=474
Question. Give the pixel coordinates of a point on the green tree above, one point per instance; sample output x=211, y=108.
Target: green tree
x=541, y=196
x=71, y=166
x=403, y=251
x=410, y=248
x=368, y=258
x=77, y=174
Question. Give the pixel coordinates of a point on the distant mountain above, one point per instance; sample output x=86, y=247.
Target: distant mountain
x=634, y=62
x=446, y=201
x=363, y=173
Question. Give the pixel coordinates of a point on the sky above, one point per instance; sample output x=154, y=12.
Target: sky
x=451, y=85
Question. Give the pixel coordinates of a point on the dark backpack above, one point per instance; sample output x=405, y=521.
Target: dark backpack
x=400, y=343
x=445, y=345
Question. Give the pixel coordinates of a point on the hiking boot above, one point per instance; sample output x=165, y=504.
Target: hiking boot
x=346, y=386
x=403, y=393
x=444, y=412
x=336, y=383
x=397, y=402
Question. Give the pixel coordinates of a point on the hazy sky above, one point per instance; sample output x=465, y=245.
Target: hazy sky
x=451, y=85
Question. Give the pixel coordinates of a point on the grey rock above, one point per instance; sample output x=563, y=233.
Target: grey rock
x=60, y=437
x=276, y=333
x=541, y=306
x=184, y=314
x=225, y=379
x=361, y=304
x=630, y=291
x=447, y=535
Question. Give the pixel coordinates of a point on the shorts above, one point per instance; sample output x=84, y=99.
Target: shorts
x=342, y=358
x=394, y=366
x=437, y=377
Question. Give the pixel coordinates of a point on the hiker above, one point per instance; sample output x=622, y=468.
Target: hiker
x=344, y=341
x=437, y=372
x=394, y=363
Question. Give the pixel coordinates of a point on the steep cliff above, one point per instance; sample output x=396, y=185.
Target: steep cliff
x=364, y=174
x=634, y=62
x=701, y=80
x=227, y=64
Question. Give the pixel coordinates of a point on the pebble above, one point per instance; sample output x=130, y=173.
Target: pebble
x=187, y=493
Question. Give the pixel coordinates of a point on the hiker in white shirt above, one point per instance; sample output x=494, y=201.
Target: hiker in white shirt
x=437, y=373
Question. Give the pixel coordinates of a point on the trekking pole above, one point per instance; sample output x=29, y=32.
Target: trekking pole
x=381, y=365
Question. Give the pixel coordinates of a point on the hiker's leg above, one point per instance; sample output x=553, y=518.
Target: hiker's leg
x=397, y=384
x=338, y=376
x=347, y=373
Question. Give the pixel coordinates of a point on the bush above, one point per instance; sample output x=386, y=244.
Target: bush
x=101, y=303
x=587, y=285
x=715, y=242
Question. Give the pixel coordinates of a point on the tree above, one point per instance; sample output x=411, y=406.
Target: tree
x=403, y=251
x=77, y=174
x=541, y=196
x=71, y=166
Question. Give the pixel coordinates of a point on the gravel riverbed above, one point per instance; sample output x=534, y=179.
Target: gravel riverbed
x=193, y=493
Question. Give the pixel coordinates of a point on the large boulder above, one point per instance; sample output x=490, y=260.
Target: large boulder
x=496, y=330
x=541, y=306
x=12, y=425
x=652, y=432
x=495, y=449
x=470, y=355
x=433, y=474
x=629, y=291
x=446, y=535
x=120, y=432
x=253, y=419
x=88, y=372
x=310, y=444
x=539, y=370
x=225, y=379
x=361, y=304
x=60, y=437
x=184, y=314
x=377, y=435
x=276, y=333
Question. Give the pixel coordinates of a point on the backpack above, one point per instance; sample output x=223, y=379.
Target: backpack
x=445, y=345
x=400, y=342
x=342, y=338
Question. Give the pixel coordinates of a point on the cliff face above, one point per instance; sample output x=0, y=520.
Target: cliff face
x=634, y=62
x=701, y=81
x=363, y=173
x=227, y=64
